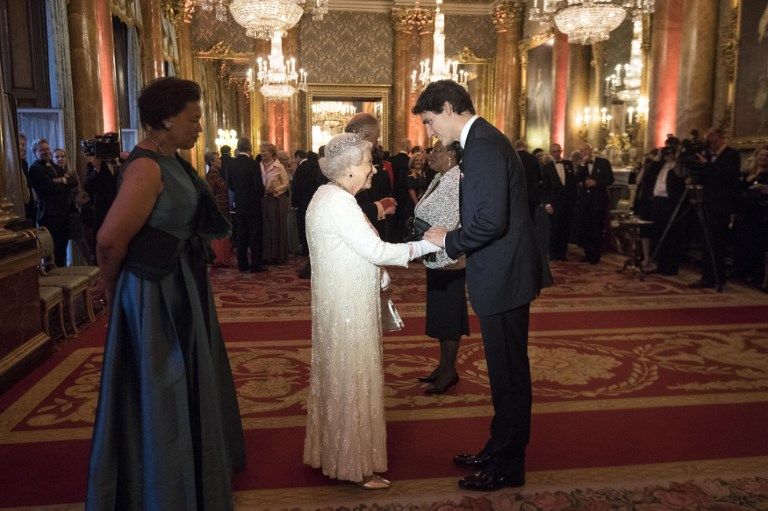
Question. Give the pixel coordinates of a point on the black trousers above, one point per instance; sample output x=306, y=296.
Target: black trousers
x=301, y=223
x=670, y=252
x=505, y=339
x=718, y=222
x=59, y=229
x=562, y=220
x=591, y=227
x=249, y=236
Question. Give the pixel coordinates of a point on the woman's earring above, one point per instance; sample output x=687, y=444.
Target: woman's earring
x=350, y=175
x=168, y=124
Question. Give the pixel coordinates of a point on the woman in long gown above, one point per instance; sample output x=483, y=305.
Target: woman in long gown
x=167, y=432
x=346, y=430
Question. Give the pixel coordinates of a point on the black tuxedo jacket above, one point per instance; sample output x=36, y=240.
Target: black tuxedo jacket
x=101, y=186
x=721, y=181
x=602, y=172
x=532, y=177
x=244, y=179
x=54, y=200
x=400, y=170
x=558, y=193
x=496, y=233
x=304, y=185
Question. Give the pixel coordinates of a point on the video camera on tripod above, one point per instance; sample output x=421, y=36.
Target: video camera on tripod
x=690, y=150
x=105, y=147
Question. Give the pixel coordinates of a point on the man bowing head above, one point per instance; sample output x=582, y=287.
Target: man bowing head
x=503, y=273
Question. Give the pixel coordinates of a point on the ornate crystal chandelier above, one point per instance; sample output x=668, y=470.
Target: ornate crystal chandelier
x=262, y=17
x=588, y=21
x=278, y=76
x=439, y=68
x=624, y=84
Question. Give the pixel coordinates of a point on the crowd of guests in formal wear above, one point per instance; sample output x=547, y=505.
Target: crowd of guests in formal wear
x=70, y=204
x=721, y=207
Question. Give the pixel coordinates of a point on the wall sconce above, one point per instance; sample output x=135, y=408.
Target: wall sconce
x=605, y=117
x=226, y=137
x=583, y=120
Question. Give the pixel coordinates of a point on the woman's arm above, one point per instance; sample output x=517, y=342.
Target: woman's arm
x=135, y=200
x=282, y=176
x=414, y=198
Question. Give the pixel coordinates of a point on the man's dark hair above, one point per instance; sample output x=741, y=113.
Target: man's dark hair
x=416, y=149
x=537, y=151
x=244, y=145
x=226, y=150
x=437, y=93
x=321, y=151
x=165, y=97
x=300, y=153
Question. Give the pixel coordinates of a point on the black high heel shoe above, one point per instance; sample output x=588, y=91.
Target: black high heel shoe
x=434, y=389
x=431, y=377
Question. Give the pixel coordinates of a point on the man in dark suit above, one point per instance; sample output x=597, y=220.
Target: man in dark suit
x=304, y=185
x=593, y=177
x=560, y=202
x=100, y=184
x=54, y=198
x=375, y=208
x=503, y=273
x=26, y=189
x=244, y=179
x=720, y=178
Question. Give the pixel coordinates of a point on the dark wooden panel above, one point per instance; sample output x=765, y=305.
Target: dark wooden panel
x=24, y=52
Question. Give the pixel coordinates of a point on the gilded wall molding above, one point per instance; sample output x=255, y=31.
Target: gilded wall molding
x=346, y=92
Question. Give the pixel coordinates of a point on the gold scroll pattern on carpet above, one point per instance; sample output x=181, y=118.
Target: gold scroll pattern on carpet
x=579, y=287
x=572, y=371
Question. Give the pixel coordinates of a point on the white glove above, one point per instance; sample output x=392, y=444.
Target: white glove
x=422, y=248
x=385, y=280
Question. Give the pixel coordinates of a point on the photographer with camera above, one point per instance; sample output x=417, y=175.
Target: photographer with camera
x=100, y=181
x=716, y=171
x=53, y=188
x=751, y=226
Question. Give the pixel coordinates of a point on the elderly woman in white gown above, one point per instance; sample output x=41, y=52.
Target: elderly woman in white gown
x=346, y=431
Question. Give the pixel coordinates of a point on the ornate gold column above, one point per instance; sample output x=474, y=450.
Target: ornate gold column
x=84, y=52
x=11, y=202
x=596, y=90
x=424, y=23
x=259, y=119
x=697, y=65
x=665, y=65
x=578, y=96
x=151, y=40
x=403, y=21
x=507, y=17
x=294, y=118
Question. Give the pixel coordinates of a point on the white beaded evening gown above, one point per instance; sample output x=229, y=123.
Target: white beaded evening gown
x=346, y=430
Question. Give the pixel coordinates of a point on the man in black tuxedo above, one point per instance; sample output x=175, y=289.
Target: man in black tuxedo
x=533, y=175
x=100, y=184
x=560, y=202
x=503, y=273
x=26, y=189
x=54, y=198
x=593, y=177
x=244, y=179
x=400, y=169
x=304, y=185
x=375, y=208
x=720, y=178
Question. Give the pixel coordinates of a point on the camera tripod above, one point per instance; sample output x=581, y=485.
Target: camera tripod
x=694, y=193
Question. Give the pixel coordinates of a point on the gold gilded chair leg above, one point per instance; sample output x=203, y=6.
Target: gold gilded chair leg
x=72, y=321
x=62, y=323
x=46, y=323
x=89, y=305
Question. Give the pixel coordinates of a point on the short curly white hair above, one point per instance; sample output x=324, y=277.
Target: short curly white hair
x=343, y=151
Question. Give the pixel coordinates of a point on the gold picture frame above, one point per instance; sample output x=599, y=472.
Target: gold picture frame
x=482, y=75
x=527, y=45
x=344, y=92
x=745, y=81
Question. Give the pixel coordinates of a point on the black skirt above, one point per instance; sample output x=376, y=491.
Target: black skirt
x=447, y=316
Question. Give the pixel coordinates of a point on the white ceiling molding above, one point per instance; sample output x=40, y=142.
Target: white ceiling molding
x=476, y=9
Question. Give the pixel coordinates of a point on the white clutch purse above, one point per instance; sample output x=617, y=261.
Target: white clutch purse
x=390, y=318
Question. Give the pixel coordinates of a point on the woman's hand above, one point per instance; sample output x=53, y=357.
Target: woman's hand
x=385, y=280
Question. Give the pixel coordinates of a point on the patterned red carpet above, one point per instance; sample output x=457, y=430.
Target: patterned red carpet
x=648, y=395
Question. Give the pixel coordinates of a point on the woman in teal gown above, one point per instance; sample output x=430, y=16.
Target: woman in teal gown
x=168, y=433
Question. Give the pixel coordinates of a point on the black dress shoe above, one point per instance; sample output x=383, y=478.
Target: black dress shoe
x=472, y=461
x=490, y=481
x=434, y=389
x=258, y=269
x=427, y=379
x=701, y=284
x=584, y=259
